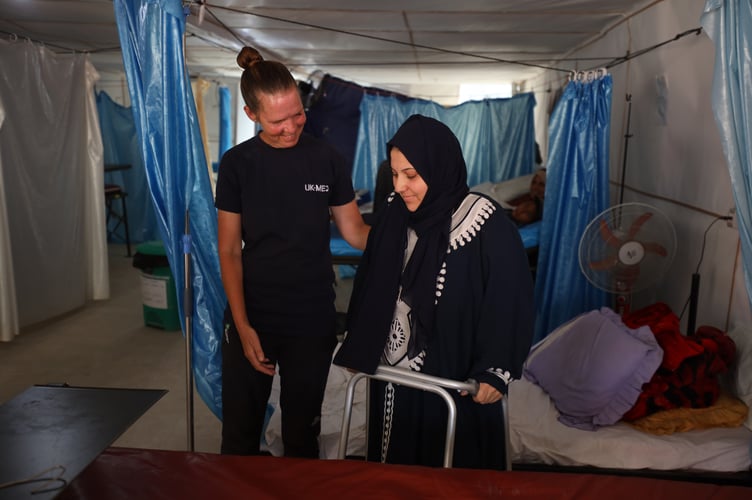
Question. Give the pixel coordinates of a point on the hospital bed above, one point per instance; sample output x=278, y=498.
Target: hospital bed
x=540, y=441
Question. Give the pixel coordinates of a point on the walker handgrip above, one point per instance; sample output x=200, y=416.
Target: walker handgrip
x=470, y=385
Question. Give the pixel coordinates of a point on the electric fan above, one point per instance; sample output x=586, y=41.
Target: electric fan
x=627, y=248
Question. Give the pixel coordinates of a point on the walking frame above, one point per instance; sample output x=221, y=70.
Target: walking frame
x=429, y=383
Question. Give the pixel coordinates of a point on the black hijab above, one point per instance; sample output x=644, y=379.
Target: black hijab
x=434, y=151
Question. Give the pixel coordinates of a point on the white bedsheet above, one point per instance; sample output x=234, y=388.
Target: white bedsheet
x=538, y=437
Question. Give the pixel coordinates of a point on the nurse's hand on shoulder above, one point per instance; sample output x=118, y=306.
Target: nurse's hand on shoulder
x=486, y=394
x=254, y=353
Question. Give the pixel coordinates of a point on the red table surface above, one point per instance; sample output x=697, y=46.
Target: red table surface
x=154, y=474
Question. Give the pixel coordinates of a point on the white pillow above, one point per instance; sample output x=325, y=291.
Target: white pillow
x=740, y=375
x=484, y=188
x=505, y=191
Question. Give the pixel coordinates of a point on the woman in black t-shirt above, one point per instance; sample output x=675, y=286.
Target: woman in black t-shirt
x=275, y=195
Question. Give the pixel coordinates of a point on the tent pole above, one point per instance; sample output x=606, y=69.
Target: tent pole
x=693, y=295
x=626, y=147
x=188, y=316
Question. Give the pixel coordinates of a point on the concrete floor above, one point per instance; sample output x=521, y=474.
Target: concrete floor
x=106, y=344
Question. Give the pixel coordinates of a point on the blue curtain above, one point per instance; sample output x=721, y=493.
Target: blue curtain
x=122, y=147
x=729, y=25
x=497, y=135
x=225, y=121
x=151, y=33
x=576, y=191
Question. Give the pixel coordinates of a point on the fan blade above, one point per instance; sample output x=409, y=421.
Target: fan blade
x=608, y=236
x=603, y=265
x=655, y=248
x=637, y=224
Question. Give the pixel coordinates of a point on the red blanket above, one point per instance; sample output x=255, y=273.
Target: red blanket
x=688, y=375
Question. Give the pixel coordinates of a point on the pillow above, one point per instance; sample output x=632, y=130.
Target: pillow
x=740, y=374
x=504, y=191
x=727, y=411
x=483, y=188
x=593, y=367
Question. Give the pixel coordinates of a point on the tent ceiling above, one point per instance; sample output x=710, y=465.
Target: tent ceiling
x=419, y=47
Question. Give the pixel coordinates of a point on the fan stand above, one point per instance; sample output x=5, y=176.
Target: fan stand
x=694, y=294
x=630, y=254
x=623, y=303
x=623, y=296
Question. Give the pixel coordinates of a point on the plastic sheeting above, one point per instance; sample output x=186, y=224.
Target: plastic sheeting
x=729, y=25
x=151, y=34
x=576, y=191
x=8, y=307
x=225, y=121
x=200, y=87
x=122, y=147
x=53, y=245
x=497, y=135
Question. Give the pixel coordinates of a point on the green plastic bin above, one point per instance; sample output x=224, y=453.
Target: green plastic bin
x=157, y=286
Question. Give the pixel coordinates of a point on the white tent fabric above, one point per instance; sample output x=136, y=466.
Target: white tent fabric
x=95, y=237
x=8, y=308
x=53, y=246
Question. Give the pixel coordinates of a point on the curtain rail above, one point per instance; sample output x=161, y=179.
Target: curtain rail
x=670, y=200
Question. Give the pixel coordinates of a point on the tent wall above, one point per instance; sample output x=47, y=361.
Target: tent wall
x=674, y=161
x=674, y=157
x=52, y=175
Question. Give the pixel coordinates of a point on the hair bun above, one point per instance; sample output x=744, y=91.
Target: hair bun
x=248, y=56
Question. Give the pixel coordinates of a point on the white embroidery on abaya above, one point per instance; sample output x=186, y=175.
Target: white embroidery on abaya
x=399, y=333
x=388, y=411
x=504, y=375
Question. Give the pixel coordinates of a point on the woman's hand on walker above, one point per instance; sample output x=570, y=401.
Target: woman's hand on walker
x=486, y=394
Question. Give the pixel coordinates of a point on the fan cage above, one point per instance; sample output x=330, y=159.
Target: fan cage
x=640, y=264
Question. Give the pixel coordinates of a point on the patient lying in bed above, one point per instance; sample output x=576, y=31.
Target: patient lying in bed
x=527, y=212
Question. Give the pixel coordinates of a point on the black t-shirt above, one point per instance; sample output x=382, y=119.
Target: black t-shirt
x=283, y=196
